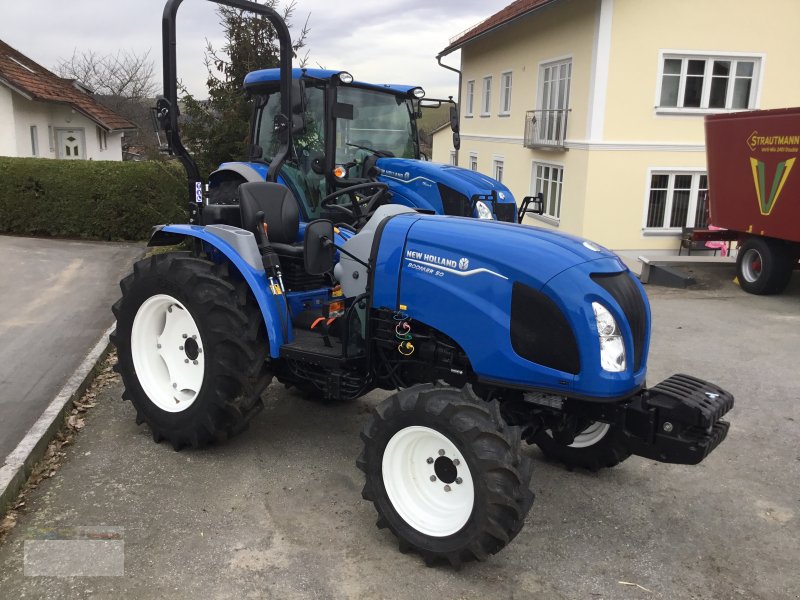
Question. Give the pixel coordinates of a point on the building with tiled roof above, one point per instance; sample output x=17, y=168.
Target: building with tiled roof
x=599, y=105
x=42, y=114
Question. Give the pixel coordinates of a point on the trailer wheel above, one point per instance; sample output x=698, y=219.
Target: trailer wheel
x=192, y=349
x=597, y=446
x=445, y=473
x=764, y=266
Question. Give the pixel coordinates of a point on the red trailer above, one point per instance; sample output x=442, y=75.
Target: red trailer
x=754, y=190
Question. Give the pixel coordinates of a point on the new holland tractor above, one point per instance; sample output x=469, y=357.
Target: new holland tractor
x=491, y=334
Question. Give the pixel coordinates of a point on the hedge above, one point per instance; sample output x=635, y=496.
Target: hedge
x=102, y=200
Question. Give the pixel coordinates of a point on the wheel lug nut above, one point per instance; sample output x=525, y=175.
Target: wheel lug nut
x=185, y=336
x=433, y=477
x=447, y=488
x=456, y=462
x=194, y=362
x=180, y=347
x=441, y=452
x=429, y=461
x=175, y=385
x=186, y=360
x=194, y=337
x=158, y=346
x=459, y=481
x=199, y=350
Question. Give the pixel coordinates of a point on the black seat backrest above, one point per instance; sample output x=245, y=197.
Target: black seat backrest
x=276, y=201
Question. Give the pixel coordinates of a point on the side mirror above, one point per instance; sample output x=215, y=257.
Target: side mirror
x=299, y=102
x=318, y=248
x=456, y=140
x=454, y=118
x=531, y=204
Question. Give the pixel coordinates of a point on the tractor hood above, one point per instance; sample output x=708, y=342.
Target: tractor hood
x=445, y=189
x=517, y=252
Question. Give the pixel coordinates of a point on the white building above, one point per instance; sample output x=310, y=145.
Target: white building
x=44, y=115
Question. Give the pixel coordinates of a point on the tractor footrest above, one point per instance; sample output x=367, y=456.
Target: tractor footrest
x=677, y=421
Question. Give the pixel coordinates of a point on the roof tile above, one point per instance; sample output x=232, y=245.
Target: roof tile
x=40, y=84
x=513, y=10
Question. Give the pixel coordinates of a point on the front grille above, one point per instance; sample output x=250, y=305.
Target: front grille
x=540, y=332
x=506, y=211
x=630, y=300
x=454, y=203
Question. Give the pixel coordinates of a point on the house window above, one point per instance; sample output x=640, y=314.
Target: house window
x=505, y=93
x=486, y=101
x=554, y=81
x=34, y=140
x=102, y=138
x=548, y=180
x=452, y=157
x=677, y=200
x=473, y=162
x=498, y=169
x=470, y=97
x=708, y=82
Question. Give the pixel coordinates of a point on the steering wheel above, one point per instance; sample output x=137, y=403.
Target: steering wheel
x=360, y=208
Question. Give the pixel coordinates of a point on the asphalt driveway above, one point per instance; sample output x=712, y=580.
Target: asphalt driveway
x=55, y=303
x=277, y=512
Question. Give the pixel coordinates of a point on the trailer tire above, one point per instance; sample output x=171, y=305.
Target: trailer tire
x=599, y=446
x=764, y=266
x=175, y=304
x=445, y=473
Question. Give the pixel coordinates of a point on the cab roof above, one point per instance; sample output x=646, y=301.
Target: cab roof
x=267, y=76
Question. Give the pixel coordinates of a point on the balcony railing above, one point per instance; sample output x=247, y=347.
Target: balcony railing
x=546, y=128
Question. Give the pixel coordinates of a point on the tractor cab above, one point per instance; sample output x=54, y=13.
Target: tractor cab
x=343, y=127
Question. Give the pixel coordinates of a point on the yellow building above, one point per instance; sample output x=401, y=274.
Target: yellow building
x=599, y=104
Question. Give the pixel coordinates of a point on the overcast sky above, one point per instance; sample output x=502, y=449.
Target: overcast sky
x=390, y=41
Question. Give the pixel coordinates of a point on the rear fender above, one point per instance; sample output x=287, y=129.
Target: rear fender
x=238, y=247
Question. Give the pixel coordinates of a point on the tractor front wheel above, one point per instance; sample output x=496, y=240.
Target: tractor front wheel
x=191, y=348
x=596, y=446
x=445, y=473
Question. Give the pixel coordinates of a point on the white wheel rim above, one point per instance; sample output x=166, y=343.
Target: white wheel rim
x=438, y=507
x=167, y=352
x=591, y=435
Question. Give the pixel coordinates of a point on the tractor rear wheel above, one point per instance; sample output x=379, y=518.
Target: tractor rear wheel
x=445, y=473
x=596, y=446
x=192, y=349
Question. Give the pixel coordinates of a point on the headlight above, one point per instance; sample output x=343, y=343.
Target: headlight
x=345, y=77
x=484, y=212
x=612, y=347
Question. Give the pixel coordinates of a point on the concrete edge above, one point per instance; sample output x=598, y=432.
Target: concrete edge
x=19, y=464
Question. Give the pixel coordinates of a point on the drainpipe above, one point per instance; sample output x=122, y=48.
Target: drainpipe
x=449, y=68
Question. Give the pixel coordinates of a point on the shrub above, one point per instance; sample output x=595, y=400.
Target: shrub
x=89, y=199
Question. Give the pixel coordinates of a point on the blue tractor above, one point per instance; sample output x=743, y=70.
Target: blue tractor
x=490, y=334
x=346, y=134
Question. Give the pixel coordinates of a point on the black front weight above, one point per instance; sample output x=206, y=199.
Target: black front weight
x=677, y=421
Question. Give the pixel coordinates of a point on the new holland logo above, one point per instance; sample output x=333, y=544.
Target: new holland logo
x=463, y=264
x=767, y=202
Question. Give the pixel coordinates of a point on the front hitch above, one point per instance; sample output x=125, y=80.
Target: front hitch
x=677, y=421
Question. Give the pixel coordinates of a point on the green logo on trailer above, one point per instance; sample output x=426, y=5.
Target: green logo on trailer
x=767, y=203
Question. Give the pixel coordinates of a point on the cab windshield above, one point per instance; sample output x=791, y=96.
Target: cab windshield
x=380, y=121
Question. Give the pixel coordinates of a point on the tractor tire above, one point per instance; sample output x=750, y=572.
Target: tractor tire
x=764, y=266
x=192, y=349
x=445, y=473
x=597, y=447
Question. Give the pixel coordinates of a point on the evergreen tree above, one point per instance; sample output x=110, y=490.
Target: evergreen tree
x=217, y=129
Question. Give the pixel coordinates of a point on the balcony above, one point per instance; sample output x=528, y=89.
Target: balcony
x=546, y=129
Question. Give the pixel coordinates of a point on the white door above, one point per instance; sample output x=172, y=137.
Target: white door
x=555, y=80
x=70, y=144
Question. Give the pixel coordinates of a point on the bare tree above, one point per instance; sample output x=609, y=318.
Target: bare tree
x=125, y=74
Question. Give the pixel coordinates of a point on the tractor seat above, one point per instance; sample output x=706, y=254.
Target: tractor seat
x=281, y=214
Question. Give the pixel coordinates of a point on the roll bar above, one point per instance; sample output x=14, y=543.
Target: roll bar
x=167, y=105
